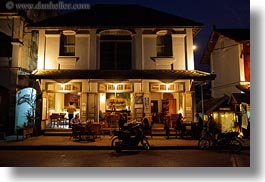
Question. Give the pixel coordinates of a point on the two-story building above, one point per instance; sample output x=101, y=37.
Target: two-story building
x=117, y=58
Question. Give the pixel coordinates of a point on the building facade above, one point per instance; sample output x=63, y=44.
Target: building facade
x=228, y=54
x=18, y=58
x=117, y=59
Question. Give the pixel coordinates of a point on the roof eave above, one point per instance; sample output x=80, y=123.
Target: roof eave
x=123, y=74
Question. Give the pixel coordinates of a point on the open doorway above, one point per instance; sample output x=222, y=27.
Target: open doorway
x=154, y=111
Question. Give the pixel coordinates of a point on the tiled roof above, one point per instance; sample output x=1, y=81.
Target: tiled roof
x=245, y=88
x=123, y=74
x=116, y=15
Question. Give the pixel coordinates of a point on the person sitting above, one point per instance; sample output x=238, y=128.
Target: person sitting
x=75, y=120
x=199, y=127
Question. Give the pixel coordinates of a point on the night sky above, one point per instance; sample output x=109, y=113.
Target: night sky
x=222, y=14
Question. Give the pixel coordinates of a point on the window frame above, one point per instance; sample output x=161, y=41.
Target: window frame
x=116, y=39
x=67, y=43
x=164, y=44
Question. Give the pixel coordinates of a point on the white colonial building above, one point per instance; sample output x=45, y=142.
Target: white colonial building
x=117, y=59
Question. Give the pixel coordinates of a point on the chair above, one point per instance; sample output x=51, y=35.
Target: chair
x=55, y=119
x=62, y=119
x=75, y=132
x=96, y=130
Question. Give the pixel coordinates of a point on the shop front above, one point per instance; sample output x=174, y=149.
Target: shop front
x=129, y=93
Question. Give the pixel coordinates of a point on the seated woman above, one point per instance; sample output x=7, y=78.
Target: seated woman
x=75, y=120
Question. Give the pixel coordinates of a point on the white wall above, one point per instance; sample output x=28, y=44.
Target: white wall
x=82, y=51
x=190, y=53
x=41, y=48
x=52, y=51
x=180, y=52
x=50, y=44
x=225, y=64
x=178, y=48
x=149, y=50
x=144, y=47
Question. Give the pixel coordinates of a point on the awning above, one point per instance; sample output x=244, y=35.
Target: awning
x=123, y=74
x=245, y=88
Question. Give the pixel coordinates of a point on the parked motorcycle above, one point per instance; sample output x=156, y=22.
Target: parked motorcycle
x=129, y=138
x=223, y=141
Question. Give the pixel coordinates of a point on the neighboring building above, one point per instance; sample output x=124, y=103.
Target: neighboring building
x=228, y=54
x=18, y=57
x=117, y=58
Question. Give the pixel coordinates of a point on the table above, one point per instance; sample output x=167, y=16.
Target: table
x=86, y=131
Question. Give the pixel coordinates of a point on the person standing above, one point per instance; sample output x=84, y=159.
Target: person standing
x=145, y=122
x=121, y=122
x=166, y=128
x=179, y=128
x=199, y=125
x=71, y=109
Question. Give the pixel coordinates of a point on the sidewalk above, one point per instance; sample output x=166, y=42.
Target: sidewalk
x=103, y=143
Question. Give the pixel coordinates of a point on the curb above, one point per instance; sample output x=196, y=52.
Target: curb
x=69, y=147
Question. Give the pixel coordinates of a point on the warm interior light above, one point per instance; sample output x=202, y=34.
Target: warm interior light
x=180, y=111
x=167, y=86
x=194, y=47
x=115, y=86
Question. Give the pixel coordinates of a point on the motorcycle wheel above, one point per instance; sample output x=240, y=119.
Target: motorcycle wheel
x=145, y=144
x=115, y=144
x=235, y=146
x=204, y=144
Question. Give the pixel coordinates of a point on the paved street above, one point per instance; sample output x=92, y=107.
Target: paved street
x=62, y=151
x=66, y=142
x=109, y=158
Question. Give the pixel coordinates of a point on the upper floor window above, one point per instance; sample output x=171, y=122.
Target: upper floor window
x=67, y=43
x=115, y=50
x=164, y=44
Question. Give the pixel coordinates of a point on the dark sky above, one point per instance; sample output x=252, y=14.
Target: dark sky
x=223, y=14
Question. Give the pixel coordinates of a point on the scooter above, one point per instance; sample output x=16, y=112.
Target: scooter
x=129, y=138
x=223, y=141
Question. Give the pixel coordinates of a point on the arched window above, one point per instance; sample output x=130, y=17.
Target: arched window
x=115, y=50
x=164, y=44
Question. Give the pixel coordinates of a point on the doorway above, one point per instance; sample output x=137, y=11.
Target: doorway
x=154, y=111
